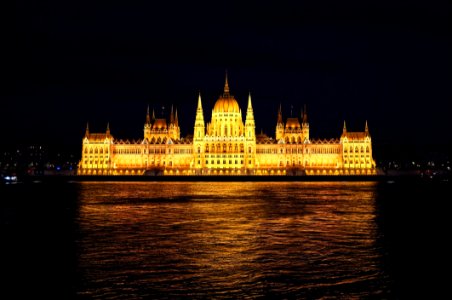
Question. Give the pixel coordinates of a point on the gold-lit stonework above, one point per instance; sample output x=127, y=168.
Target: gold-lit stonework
x=227, y=146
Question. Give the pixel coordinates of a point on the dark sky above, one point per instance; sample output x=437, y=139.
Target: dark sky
x=67, y=63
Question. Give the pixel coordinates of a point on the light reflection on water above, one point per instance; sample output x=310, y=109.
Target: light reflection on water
x=229, y=240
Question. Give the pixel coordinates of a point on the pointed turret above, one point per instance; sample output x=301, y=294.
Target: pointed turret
x=250, y=126
x=279, y=125
x=87, y=130
x=147, y=124
x=108, y=129
x=172, y=115
x=366, y=128
x=176, y=119
x=153, y=115
x=199, y=111
x=305, y=125
x=199, y=121
x=249, y=111
x=305, y=115
x=280, y=119
x=148, y=117
x=344, y=130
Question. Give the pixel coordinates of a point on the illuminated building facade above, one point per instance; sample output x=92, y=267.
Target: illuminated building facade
x=227, y=146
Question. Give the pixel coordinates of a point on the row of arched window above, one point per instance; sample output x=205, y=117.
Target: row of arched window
x=357, y=149
x=225, y=148
x=96, y=150
x=323, y=150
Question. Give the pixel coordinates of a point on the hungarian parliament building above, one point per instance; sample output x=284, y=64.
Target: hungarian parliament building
x=227, y=146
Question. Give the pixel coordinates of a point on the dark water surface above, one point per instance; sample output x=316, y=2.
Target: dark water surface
x=235, y=240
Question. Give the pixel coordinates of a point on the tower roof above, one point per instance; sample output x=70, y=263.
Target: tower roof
x=293, y=123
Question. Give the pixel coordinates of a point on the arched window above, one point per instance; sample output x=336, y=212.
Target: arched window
x=96, y=151
x=86, y=150
x=356, y=149
x=367, y=149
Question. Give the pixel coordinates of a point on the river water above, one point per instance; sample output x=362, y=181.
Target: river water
x=234, y=240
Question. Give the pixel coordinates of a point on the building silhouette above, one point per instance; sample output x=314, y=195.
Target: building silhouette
x=227, y=146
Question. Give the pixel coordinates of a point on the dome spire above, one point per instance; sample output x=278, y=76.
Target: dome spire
x=226, y=85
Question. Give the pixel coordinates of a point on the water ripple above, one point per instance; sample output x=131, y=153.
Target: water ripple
x=229, y=240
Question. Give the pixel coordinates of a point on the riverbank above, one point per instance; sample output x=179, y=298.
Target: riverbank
x=248, y=178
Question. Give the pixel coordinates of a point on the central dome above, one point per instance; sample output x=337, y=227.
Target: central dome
x=226, y=102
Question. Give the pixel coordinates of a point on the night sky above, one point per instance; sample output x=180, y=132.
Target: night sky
x=68, y=63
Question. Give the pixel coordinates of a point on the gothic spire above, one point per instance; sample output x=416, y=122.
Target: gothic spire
x=199, y=112
x=199, y=102
x=344, y=130
x=171, y=115
x=249, y=101
x=305, y=115
x=153, y=115
x=148, y=117
x=176, y=119
x=249, y=111
x=366, y=129
x=280, y=120
x=87, y=130
x=108, y=128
